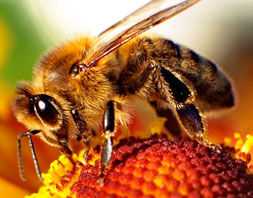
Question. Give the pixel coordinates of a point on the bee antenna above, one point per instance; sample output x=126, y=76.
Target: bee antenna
x=20, y=161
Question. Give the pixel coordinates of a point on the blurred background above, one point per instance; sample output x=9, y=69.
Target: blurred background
x=221, y=30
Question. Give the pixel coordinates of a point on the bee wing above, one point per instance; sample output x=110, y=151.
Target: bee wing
x=146, y=17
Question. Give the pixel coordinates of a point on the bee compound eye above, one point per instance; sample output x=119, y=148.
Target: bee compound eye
x=46, y=110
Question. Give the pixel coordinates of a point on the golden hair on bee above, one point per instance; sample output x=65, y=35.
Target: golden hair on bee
x=87, y=87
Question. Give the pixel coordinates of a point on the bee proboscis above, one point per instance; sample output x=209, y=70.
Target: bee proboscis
x=91, y=83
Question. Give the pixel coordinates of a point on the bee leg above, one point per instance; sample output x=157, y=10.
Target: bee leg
x=35, y=160
x=66, y=151
x=109, y=126
x=171, y=123
x=81, y=125
x=193, y=123
x=65, y=148
x=87, y=143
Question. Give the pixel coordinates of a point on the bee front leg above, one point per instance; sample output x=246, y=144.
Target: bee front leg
x=109, y=126
x=192, y=121
x=86, y=141
x=81, y=126
x=65, y=148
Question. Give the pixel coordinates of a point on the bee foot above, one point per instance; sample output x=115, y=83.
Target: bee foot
x=200, y=139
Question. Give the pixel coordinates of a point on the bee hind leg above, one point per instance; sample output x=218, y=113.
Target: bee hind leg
x=109, y=126
x=193, y=123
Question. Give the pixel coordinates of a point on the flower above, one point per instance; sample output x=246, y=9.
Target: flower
x=155, y=167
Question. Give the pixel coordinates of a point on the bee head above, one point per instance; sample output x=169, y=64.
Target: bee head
x=37, y=111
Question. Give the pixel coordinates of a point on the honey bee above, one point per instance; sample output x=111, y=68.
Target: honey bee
x=86, y=87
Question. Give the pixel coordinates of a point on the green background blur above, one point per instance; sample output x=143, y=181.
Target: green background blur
x=21, y=43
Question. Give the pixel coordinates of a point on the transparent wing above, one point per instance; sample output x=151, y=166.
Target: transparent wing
x=146, y=17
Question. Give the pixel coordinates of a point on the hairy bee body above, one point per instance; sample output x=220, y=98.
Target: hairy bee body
x=86, y=88
x=148, y=67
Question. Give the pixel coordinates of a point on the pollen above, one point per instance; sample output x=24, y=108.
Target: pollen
x=242, y=149
x=155, y=167
x=248, y=145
